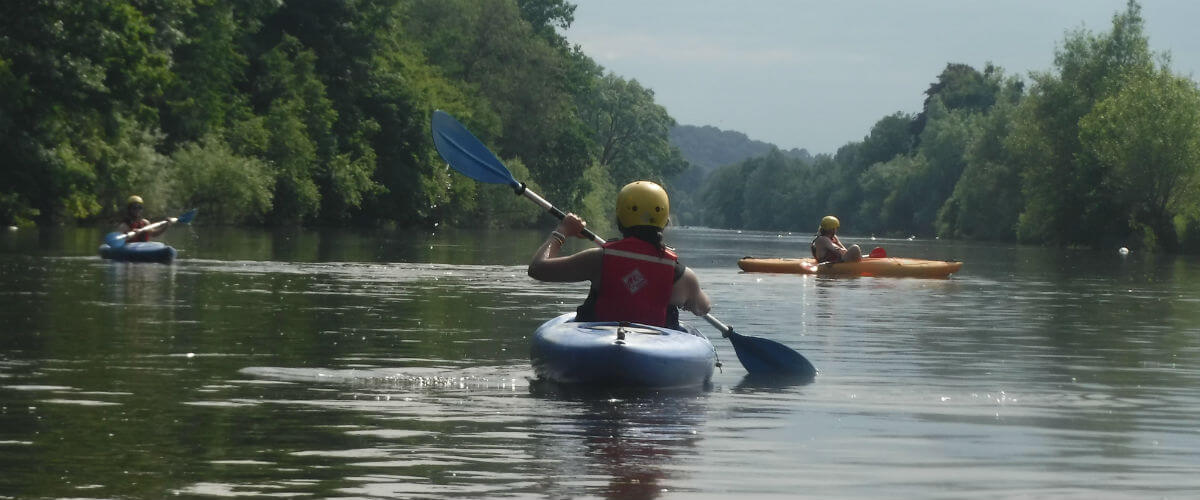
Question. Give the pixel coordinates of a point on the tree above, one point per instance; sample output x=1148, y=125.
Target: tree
x=987, y=199
x=1147, y=139
x=81, y=81
x=631, y=131
x=1067, y=199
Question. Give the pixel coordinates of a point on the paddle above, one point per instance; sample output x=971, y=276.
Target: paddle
x=117, y=240
x=877, y=253
x=470, y=157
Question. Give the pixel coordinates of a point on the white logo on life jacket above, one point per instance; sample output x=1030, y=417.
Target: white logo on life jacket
x=634, y=281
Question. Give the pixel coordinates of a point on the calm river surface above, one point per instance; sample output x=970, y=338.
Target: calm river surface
x=395, y=365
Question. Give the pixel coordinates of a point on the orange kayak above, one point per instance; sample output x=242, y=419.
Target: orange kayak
x=885, y=266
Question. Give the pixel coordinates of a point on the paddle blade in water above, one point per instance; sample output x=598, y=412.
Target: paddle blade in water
x=767, y=357
x=466, y=154
x=187, y=217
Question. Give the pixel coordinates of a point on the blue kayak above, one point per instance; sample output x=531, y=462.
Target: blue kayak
x=148, y=251
x=621, y=354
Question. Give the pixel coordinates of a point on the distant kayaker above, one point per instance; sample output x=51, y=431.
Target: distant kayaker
x=133, y=220
x=636, y=278
x=827, y=248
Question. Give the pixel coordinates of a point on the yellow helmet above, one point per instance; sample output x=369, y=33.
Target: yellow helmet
x=134, y=199
x=643, y=203
x=830, y=223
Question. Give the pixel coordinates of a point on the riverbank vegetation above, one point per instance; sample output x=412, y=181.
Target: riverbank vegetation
x=308, y=112
x=317, y=113
x=1101, y=150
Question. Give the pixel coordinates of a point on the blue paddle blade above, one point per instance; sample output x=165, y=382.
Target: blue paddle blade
x=466, y=154
x=187, y=217
x=767, y=357
x=114, y=240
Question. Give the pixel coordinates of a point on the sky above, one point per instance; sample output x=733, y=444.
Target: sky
x=818, y=74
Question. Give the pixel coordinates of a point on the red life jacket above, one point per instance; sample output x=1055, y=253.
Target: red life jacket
x=134, y=226
x=636, y=282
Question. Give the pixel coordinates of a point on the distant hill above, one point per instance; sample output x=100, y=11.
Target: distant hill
x=709, y=147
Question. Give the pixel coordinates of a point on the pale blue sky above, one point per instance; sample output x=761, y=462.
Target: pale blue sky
x=819, y=74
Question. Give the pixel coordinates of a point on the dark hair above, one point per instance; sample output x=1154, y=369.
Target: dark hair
x=649, y=234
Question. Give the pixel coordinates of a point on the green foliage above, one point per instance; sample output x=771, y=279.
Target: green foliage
x=226, y=187
x=768, y=192
x=499, y=207
x=79, y=81
x=599, y=205
x=332, y=98
x=723, y=197
x=1102, y=150
x=318, y=112
x=1147, y=139
x=631, y=131
x=1067, y=198
x=985, y=202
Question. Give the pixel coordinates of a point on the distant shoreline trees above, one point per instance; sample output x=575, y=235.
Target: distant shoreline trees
x=317, y=113
x=1102, y=150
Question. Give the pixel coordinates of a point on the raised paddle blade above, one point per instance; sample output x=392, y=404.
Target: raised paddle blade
x=466, y=154
x=187, y=217
x=114, y=240
x=767, y=357
x=877, y=253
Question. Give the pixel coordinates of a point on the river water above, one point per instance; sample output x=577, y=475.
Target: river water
x=395, y=365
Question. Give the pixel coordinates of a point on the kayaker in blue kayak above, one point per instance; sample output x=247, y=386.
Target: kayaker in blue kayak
x=133, y=220
x=636, y=278
x=827, y=248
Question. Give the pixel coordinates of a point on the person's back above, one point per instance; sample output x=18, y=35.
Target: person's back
x=636, y=281
x=636, y=278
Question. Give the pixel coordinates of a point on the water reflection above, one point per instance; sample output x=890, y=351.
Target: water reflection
x=135, y=284
x=619, y=445
x=771, y=383
x=396, y=365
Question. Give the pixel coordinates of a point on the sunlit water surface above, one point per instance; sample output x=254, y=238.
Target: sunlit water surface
x=343, y=365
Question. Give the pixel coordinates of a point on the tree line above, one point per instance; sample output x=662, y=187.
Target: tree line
x=309, y=111
x=317, y=112
x=1104, y=149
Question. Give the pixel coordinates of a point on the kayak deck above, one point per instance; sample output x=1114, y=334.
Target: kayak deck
x=615, y=354
x=868, y=266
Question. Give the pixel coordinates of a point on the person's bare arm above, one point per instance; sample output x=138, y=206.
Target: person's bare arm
x=688, y=296
x=162, y=229
x=831, y=246
x=547, y=265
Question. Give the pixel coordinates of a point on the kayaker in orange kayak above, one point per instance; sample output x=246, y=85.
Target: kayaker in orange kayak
x=636, y=278
x=133, y=220
x=827, y=248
